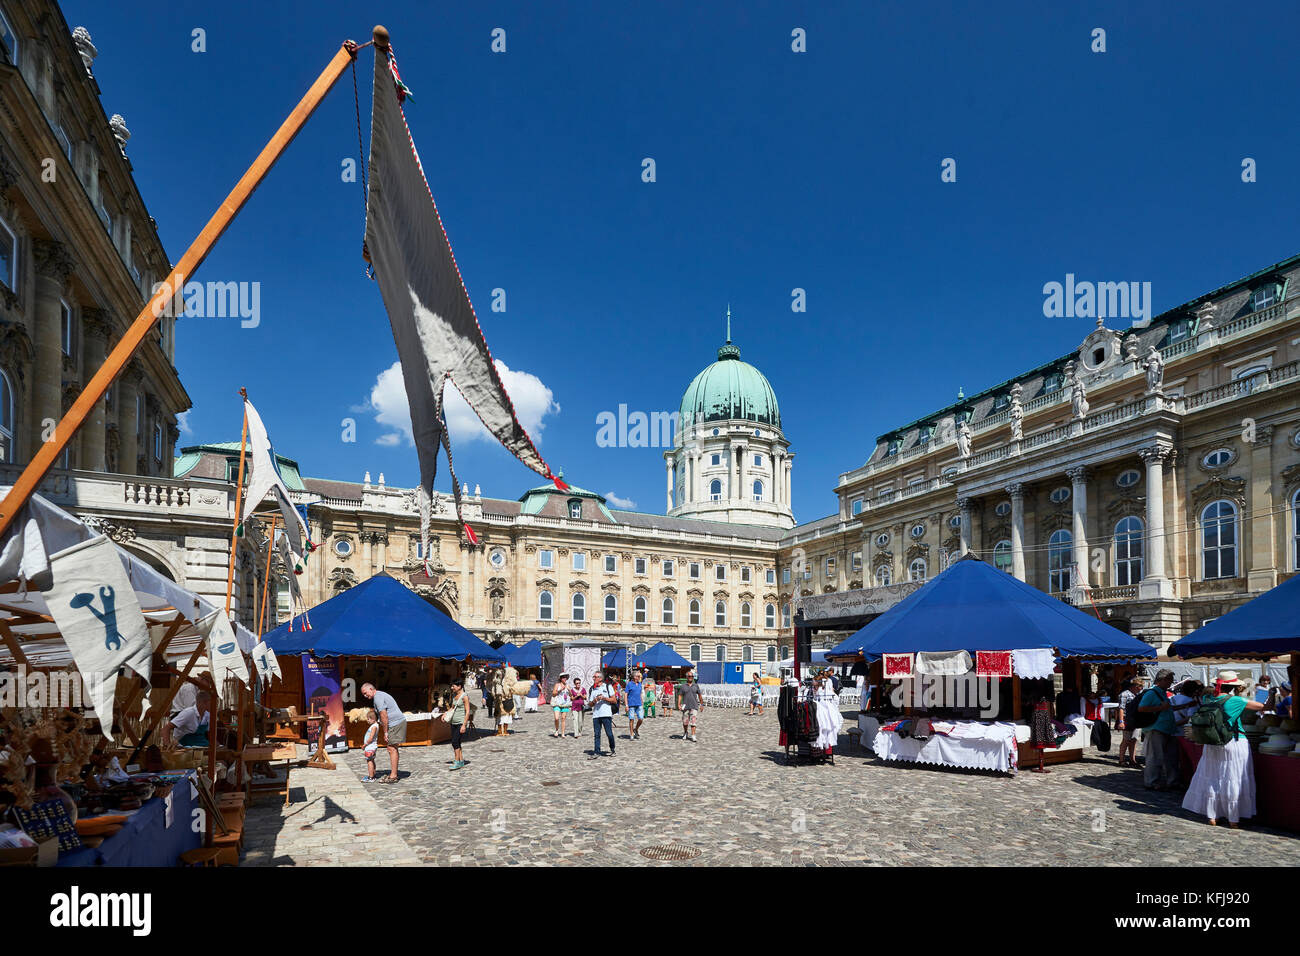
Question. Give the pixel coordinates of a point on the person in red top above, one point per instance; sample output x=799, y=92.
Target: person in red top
x=667, y=697
x=1092, y=705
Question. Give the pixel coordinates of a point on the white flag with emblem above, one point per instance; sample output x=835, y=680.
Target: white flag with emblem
x=94, y=605
x=262, y=661
x=224, y=657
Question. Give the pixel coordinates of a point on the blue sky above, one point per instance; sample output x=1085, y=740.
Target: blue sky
x=775, y=170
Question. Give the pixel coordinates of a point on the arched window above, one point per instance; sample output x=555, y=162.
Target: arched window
x=785, y=615
x=769, y=615
x=771, y=653
x=695, y=653
x=1002, y=556
x=745, y=620
x=546, y=606
x=1219, y=540
x=6, y=419
x=758, y=491
x=579, y=607
x=640, y=648
x=638, y=611
x=785, y=652
x=747, y=653
x=715, y=490
x=611, y=609
x=669, y=611
x=916, y=570
x=884, y=577
x=720, y=614
x=695, y=612
x=1059, y=559
x=719, y=652
x=1295, y=531
x=1128, y=551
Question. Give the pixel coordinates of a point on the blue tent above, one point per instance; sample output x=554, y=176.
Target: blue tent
x=380, y=617
x=658, y=655
x=973, y=606
x=524, y=655
x=1265, y=627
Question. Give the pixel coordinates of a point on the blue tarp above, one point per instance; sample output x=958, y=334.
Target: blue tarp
x=657, y=655
x=380, y=617
x=973, y=606
x=1269, y=625
x=524, y=655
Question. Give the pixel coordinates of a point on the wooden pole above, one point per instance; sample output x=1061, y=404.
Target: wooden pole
x=266, y=584
x=135, y=336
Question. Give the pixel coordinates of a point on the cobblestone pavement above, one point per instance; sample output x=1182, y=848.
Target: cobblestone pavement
x=332, y=820
x=532, y=799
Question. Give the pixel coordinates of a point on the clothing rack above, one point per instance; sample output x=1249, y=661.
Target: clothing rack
x=797, y=718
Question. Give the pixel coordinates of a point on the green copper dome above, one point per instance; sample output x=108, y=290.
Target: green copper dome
x=730, y=389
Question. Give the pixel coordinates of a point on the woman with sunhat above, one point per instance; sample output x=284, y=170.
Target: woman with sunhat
x=1224, y=782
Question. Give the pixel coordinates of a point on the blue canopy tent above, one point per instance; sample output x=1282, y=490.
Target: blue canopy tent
x=380, y=617
x=524, y=655
x=1267, y=626
x=662, y=655
x=973, y=606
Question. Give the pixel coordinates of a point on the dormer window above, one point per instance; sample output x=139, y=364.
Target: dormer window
x=1098, y=356
x=1001, y=402
x=893, y=447
x=1265, y=296
x=575, y=510
x=1180, y=330
x=1052, y=383
x=927, y=432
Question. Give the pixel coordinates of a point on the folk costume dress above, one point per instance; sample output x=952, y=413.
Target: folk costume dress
x=1224, y=782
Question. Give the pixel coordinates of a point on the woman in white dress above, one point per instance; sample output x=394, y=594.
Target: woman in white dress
x=1224, y=783
x=829, y=718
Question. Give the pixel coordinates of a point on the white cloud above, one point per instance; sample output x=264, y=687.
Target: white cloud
x=533, y=401
x=183, y=423
x=622, y=504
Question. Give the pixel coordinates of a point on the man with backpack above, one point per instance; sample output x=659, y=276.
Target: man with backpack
x=1155, y=714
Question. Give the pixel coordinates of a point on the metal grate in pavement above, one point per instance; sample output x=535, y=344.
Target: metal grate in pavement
x=670, y=852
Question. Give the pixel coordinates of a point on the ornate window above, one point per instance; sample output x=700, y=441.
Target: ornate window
x=720, y=614
x=579, y=607
x=669, y=611
x=745, y=615
x=638, y=610
x=955, y=522
x=1295, y=530
x=1218, y=458
x=575, y=509
x=638, y=565
x=720, y=572
x=8, y=249
x=1002, y=556
x=1060, y=494
x=1059, y=560
x=611, y=609
x=769, y=610
x=918, y=531
x=1128, y=551
x=785, y=617
x=342, y=547
x=1219, y=540
x=6, y=418
x=882, y=539
x=668, y=567
x=694, y=608
x=546, y=558
x=771, y=653
x=611, y=564
x=546, y=606
x=916, y=570
x=758, y=491
x=715, y=490
x=884, y=576
x=719, y=652
x=1128, y=478
x=695, y=653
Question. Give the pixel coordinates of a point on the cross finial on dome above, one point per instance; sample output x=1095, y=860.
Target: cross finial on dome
x=728, y=323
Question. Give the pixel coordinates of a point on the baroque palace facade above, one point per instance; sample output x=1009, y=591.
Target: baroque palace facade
x=1151, y=473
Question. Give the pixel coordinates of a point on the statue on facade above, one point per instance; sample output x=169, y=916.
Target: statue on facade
x=1155, y=367
x=498, y=606
x=963, y=439
x=1017, y=413
x=1078, y=397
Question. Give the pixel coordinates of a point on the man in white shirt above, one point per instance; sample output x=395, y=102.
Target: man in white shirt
x=191, y=724
x=392, y=725
x=601, y=699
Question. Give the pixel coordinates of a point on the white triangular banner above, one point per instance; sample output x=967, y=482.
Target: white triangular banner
x=224, y=657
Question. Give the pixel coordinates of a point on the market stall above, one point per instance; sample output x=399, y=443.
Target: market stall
x=379, y=632
x=79, y=760
x=965, y=672
x=1265, y=630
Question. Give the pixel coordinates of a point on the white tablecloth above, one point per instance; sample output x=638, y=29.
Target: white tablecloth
x=981, y=747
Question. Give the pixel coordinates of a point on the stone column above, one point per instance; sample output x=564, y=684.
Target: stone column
x=697, y=459
x=128, y=388
x=367, y=539
x=778, y=463
x=1017, y=493
x=741, y=451
x=668, y=461
x=964, y=504
x=53, y=266
x=1079, y=499
x=1261, y=573
x=789, y=468
x=96, y=328
x=1154, y=582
